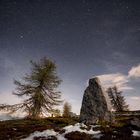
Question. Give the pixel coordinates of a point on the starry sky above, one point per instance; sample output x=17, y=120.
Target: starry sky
x=85, y=38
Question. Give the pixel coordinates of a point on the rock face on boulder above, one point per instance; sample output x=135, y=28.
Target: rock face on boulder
x=94, y=105
x=136, y=122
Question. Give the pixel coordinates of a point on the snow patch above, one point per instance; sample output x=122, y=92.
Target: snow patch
x=136, y=133
x=80, y=127
x=4, y=117
x=46, y=133
x=77, y=127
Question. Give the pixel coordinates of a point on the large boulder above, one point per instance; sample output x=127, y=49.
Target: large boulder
x=94, y=105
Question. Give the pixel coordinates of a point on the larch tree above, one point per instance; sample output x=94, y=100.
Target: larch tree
x=40, y=89
x=117, y=99
x=66, y=110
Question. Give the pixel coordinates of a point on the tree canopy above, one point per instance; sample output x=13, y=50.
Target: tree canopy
x=117, y=100
x=66, y=109
x=40, y=89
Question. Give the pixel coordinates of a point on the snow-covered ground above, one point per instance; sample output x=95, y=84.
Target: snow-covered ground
x=46, y=133
x=136, y=133
x=80, y=127
x=71, y=128
x=7, y=116
x=4, y=117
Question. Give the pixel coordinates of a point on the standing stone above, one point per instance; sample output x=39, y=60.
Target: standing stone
x=94, y=105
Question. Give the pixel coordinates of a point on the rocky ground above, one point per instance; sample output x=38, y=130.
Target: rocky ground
x=17, y=129
x=64, y=129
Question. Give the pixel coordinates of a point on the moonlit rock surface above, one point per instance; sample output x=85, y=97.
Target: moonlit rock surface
x=136, y=122
x=94, y=105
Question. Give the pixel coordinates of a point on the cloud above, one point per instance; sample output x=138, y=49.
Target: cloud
x=8, y=98
x=134, y=102
x=134, y=71
x=134, y=98
x=118, y=79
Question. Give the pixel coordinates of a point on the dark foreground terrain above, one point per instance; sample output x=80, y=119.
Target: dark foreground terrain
x=18, y=129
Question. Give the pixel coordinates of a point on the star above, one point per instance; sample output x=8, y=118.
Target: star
x=21, y=36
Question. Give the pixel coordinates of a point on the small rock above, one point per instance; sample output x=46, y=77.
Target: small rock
x=78, y=136
x=45, y=138
x=135, y=122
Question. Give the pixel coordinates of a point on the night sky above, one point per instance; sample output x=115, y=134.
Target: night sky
x=85, y=38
